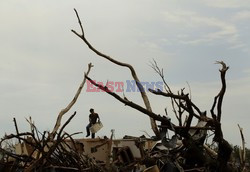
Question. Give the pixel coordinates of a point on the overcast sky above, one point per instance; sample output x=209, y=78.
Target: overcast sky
x=43, y=62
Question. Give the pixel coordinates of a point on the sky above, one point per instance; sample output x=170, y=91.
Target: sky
x=43, y=62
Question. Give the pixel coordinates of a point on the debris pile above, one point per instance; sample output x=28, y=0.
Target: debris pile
x=175, y=147
x=37, y=152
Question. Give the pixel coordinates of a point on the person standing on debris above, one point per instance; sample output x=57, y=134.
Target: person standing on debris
x=92, y=120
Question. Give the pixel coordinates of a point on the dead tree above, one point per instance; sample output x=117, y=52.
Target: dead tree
x=225, y=149
x=213, y=124
x=130, y=67
x=65, y=110
x=49, y=150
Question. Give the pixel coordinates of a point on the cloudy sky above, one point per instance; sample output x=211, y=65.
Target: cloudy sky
x=43, y=62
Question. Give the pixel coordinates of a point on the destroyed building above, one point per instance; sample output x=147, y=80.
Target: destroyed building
x=186, y=150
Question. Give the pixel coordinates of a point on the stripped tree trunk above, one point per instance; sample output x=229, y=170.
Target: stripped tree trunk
x=133, y=73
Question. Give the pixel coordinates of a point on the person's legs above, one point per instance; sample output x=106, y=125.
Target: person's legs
x=87, y=129
x=92, y=135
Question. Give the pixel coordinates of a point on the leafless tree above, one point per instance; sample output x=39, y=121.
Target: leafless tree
x=181, y=102
x=130, y=67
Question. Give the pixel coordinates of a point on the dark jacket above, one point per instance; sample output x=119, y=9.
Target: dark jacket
x=93, y=117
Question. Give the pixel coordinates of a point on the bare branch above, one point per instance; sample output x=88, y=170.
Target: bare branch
x=171, y=95
x=243, y=150
x=132, y=70
x=174, y=102
x=65, y=110
x=174, y=96
x=131, y=104
x=221, y=93
x=159, y=71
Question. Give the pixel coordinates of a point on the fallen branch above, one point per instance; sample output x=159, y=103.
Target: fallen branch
x=45, y=157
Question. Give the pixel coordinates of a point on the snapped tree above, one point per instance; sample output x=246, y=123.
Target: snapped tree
x=181, y=103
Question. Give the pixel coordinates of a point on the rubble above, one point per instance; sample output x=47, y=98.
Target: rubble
x=36, y=152
x=186, y=149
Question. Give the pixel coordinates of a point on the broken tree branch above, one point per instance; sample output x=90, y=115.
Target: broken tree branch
x=174, y=102
x=17, y=132
x=132, y=70
x=65, y=110
x=242, y=151
x=180, y=97
x=42, y=160
x=220, y=95
x=225, y=149
x=131, y=104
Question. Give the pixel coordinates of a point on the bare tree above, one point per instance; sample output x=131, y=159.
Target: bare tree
x=225, y=149
x=132, y=70
x=192, y=154
x=185, y=104
x=181, y=101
